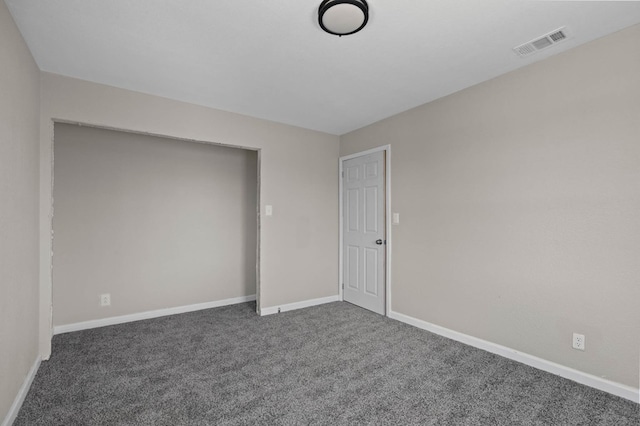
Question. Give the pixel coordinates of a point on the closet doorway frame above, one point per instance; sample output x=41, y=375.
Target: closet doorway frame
x=51, y=329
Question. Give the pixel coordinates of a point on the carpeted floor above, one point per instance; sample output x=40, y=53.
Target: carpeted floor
x=334, y=364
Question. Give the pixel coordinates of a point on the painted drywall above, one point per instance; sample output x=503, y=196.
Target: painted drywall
x=299, y=178
x=19, y=168
x=519, y=202
x=154, y=222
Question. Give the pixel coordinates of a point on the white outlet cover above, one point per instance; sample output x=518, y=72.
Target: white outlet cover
x=105, y=299
x=268, y=210
x=579, y=341
x=396, y=218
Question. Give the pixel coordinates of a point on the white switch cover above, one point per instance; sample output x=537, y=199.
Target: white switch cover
x=268, y=210
x=396, y=218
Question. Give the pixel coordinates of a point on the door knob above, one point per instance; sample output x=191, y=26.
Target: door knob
x=379, y=242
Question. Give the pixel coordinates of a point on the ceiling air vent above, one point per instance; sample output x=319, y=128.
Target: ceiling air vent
x=547, y=40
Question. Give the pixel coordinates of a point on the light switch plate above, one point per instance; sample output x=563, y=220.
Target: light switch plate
x=396, y=218
x=268, y=210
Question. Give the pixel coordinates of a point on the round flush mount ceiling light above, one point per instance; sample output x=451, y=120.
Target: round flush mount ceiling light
x=343, y=17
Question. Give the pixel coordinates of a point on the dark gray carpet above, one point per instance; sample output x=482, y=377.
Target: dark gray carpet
x=331, y=364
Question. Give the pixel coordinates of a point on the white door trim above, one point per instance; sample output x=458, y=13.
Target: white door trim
x=387, y=190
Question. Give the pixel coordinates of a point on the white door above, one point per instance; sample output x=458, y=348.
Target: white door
x=363, y=209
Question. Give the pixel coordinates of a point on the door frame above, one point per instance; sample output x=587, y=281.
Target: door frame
x=387, y=212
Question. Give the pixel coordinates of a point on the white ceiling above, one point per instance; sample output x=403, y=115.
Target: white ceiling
x=270, y=59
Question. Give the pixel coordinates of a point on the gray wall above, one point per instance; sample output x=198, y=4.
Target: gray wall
x=299, y=177
x=155, y=222
x=19, y=164
x=519, y=203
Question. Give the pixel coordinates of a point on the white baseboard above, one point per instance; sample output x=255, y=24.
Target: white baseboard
x=22, y=394
x=85, y=325
x=581, y=377
x=298, y=305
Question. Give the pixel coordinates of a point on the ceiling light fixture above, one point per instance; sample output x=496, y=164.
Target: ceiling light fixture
x=343, y=17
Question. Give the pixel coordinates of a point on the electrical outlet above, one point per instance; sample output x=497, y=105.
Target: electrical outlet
x=105, y=299
x=578, y=341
